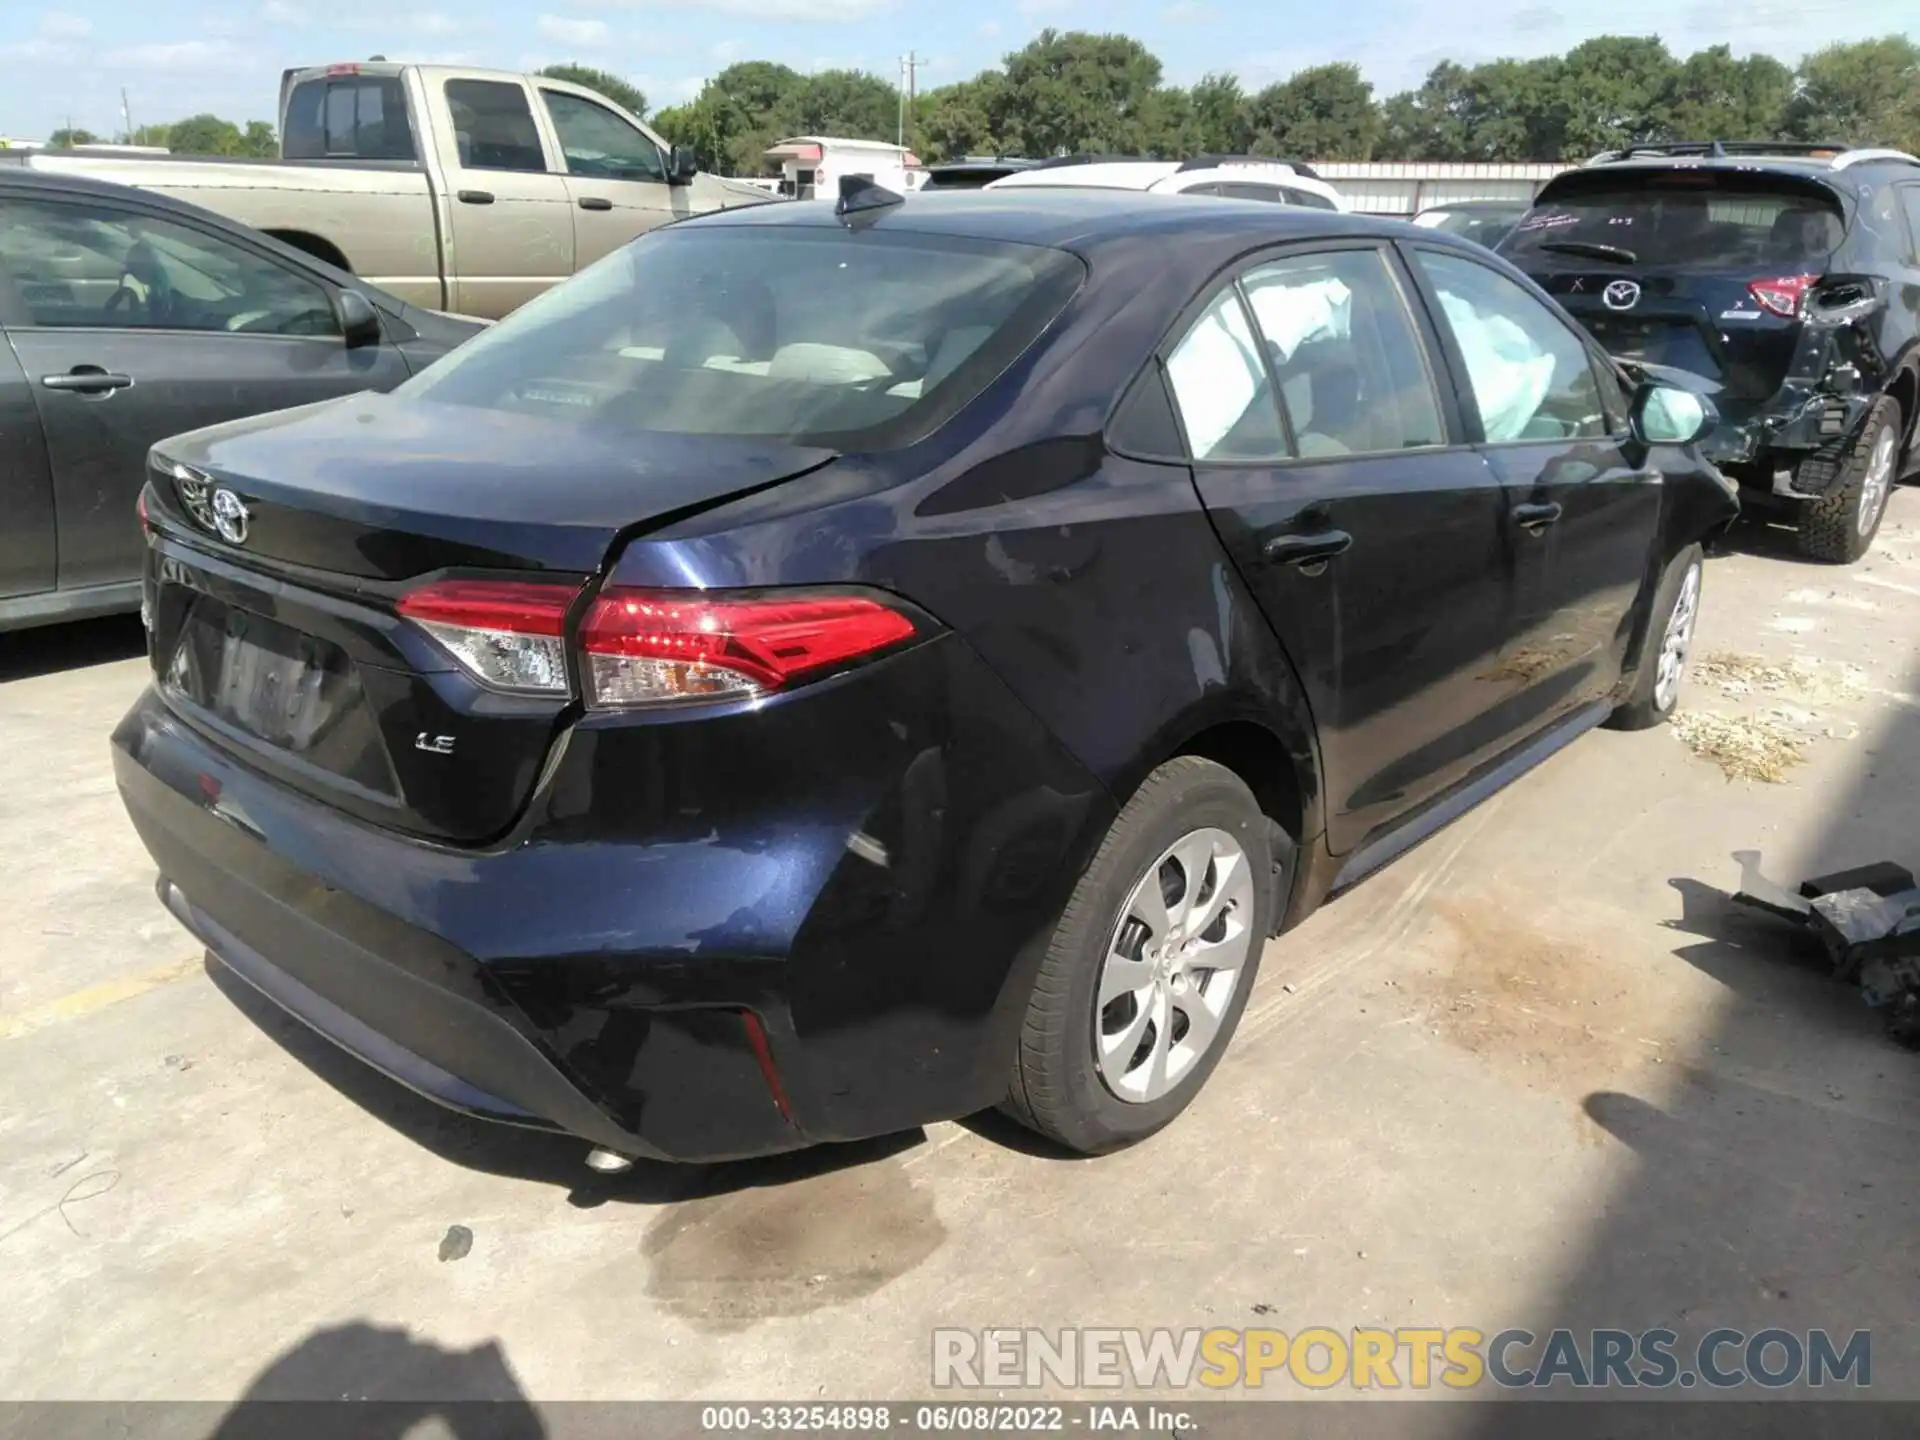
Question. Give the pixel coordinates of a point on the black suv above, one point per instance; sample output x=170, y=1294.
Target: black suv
x=1789, y=275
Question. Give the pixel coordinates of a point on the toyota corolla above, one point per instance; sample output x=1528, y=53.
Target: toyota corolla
x=828, y=669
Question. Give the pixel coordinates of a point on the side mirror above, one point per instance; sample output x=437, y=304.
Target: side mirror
x=1663, y=415
x=682, y=166
x=359, y=321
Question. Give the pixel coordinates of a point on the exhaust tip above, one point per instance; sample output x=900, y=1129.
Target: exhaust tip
x=608, y=1162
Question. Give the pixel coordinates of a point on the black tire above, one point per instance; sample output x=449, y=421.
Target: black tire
x=1057, y=1087
x=1644, y=706
x=1829, y=528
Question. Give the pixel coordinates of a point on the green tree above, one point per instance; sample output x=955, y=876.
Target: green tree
x=1322, y=113
x=848, y=103
x=64, y=139
x=1218, y=122
x=628, y=97
x=1867, y=93
x=1611, y=93
x=259, y=140
x=1073, y=91
x=205, y=135
x=957, y=120
x=1712, y=96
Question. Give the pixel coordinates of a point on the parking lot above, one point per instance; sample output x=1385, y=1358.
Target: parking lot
x=1537, y=1073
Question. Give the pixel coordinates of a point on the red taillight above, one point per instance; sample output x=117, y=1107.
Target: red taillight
x=1783, y=295
x=509, y=634
x=651, y=647
x=648, y=647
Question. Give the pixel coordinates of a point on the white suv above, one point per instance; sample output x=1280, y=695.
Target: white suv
x=1284, y=182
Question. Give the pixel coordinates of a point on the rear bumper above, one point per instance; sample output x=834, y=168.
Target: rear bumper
x=739, y=983
x=1776, y=436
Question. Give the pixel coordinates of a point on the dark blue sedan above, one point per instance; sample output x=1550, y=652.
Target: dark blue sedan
x=828, y=669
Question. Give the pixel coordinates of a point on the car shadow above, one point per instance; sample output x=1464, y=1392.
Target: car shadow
x=1765, y=539
x=525, y=1154
x=52, y=649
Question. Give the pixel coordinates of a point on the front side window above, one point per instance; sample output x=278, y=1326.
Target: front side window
x=857, y=341
x=77, y=264
x=1352, y=370
x=1531, y=375
x=493, y=126
x=1221, y=387
x=600, y=145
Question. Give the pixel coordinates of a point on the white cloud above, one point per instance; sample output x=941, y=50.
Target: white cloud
x=59, y=25
x=819, y=12
x=1186, y=12
x=563, y=30
x=435, y=23
x=283, y=12
x=989, y=29
x=177, y=55
x=1031, y=8
x=34, y=50
x=725, y=52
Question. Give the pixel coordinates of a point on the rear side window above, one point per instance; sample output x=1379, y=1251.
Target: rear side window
x=493, y=126
x=1910, y=202
x=1306, y=198
x=348, y=117
x=1681, y=220
x=1352, y=370
x=859, y=341
x=1221, y=387
x=1531, y=375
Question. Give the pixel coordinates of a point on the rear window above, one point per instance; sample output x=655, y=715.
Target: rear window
x=348, y=117
x=1683, y=220
x=852, y=340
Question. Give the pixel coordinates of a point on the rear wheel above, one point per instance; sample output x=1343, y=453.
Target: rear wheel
x=1663, y=659
x=1858, y=474
x=1150, y=965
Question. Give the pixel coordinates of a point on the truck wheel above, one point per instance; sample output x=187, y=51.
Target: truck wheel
x=1841, y=524
x=1150, y=964
x=1663, y=659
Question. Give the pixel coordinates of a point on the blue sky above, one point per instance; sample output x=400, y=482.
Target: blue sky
x=176, y=57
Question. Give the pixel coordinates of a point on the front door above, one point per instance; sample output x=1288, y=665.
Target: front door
x=1585, y=502
x=511, y=216
x=616, y=175
x=1373, y=542
x=140, y=326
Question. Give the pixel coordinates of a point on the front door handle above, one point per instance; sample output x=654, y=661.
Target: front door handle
x=1310, y=552
x=1535, y=518
x=476, y=197
x=87, y=380
x=595, y=202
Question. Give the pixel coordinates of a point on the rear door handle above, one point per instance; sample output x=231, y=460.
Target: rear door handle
x=1306, y=551
x=476, y=197
x=1535, y=518
x=88, y=380
x=595, y=202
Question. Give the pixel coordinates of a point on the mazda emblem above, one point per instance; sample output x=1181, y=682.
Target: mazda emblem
x=230, y=516
x=1621, y=295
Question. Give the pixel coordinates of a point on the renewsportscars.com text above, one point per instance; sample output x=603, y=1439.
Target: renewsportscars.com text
x=1414, y=1358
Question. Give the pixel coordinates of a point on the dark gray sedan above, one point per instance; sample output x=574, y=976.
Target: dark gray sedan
x=127, y=317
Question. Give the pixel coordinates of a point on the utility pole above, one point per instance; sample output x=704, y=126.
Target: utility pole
x=910, y=64
x=126, y=114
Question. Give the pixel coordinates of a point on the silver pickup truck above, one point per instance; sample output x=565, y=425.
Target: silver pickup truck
x=455, y=189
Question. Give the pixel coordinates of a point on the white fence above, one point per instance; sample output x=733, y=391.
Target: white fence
x=1406, y=188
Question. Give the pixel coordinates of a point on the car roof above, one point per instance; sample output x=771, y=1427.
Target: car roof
x=1079, y=219
x=1105, y=174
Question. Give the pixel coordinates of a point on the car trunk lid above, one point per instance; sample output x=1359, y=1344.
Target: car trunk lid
x=278, y=633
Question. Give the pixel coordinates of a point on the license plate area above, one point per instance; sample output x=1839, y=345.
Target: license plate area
x=296, y=694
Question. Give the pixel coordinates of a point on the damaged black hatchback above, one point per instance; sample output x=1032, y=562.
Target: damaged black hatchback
x=1789, y=275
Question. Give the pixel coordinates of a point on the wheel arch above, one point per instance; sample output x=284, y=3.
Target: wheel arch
x=318, y=246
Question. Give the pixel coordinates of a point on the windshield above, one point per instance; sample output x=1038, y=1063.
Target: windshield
x=851, y=339
x=1683, y=220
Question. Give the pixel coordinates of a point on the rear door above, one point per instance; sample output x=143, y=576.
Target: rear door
x=1373, y=540
x=1694, y=267
x=511, y=215
x=26, y=487
x=1584, y=505
x=616, y=175
x=140, y=325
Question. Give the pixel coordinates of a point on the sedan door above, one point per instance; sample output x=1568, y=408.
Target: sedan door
x=141, y=325
x=1585, y=501
x=616, y=175
x=511, y=216
x=1372, y=540
x=26, y=486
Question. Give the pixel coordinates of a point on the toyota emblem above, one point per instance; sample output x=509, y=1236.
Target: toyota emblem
x=1621, y=294
x=230, y=516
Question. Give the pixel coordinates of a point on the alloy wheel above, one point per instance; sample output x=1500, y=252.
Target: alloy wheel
x=1677, y=642
x=1172, y=964
x=1878, y=480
